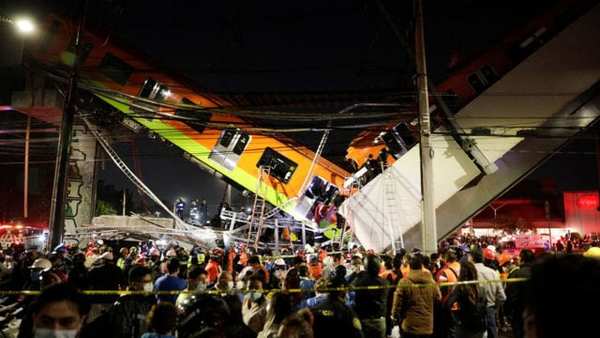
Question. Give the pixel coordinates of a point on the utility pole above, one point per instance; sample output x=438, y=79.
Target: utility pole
x=124, y=203
x=429, y=228
x=61, y=171
x=26, y=170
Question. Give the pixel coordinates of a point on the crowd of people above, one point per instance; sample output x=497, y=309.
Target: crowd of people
x=469, y=288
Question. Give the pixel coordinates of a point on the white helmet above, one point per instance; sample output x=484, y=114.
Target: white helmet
x=42, y=264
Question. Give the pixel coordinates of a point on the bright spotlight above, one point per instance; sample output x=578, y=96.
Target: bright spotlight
x=25, y=25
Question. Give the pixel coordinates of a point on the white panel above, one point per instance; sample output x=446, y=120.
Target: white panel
x=528, y=96
x=366, y=211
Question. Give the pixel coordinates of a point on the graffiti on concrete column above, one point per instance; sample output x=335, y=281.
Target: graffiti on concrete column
x=79, y=208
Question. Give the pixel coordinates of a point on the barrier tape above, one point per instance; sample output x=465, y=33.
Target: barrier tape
x=268, y=291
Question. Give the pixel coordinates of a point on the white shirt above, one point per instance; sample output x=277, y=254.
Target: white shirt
x=493, y=291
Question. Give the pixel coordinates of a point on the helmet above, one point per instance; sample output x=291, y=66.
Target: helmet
x=593, y=252
x=42, y=264
x=489, y=254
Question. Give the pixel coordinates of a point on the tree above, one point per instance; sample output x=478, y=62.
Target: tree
x=105, y=208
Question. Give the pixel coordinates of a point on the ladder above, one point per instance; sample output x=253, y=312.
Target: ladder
x=257, y=218
x=390, y=208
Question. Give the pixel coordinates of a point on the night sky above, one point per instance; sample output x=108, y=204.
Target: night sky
x=297, y=47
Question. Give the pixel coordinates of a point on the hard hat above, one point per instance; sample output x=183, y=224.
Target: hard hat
x=593, y=252
x=489, y=254
x=41, y=263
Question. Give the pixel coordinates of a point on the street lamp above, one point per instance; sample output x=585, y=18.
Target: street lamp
x=24, y=25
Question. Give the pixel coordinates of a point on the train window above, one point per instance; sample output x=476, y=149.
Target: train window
x=399, y=139
x=483, y=78
x=405, y=134
x=227, y=137
x=476, y=83
x=200, y=118
x=394, y=147
x=229, y=147
x=154, y=90
x=147, y=88
x=282, y=168
x=162, y=93
x=241, y=143
x=489, y=74
x=115, y=69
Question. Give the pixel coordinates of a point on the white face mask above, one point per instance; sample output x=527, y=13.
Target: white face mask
x=201, y=287
x=239, y=285
x=255, y=296
x=148, y=287
x=230, y=285
x=50, y=333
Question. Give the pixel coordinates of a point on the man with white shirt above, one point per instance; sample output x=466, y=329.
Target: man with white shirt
x=494, y=293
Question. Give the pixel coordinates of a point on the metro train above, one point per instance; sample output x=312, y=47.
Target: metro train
x=165, y=104
x=220, y=141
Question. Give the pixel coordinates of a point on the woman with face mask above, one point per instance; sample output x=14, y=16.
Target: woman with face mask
x=254, y=307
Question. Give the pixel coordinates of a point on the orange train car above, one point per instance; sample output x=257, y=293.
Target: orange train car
x=118, y=74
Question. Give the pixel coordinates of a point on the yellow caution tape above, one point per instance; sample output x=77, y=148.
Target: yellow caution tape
x=221, y=292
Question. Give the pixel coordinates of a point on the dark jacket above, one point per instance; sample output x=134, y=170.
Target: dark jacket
x=515, y=292
x=414, y=305
x=105, y=276
x=333, y=318
x=370, y=304
x=471, y=313
x=128, y=315
x=125, y=318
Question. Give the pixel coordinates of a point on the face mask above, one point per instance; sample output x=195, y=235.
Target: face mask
x=255, y=296
x=49, y=333
x=230, y=285
x=201, y=287
x=148, y=287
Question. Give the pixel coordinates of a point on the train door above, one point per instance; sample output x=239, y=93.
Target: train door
x=229, y=147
